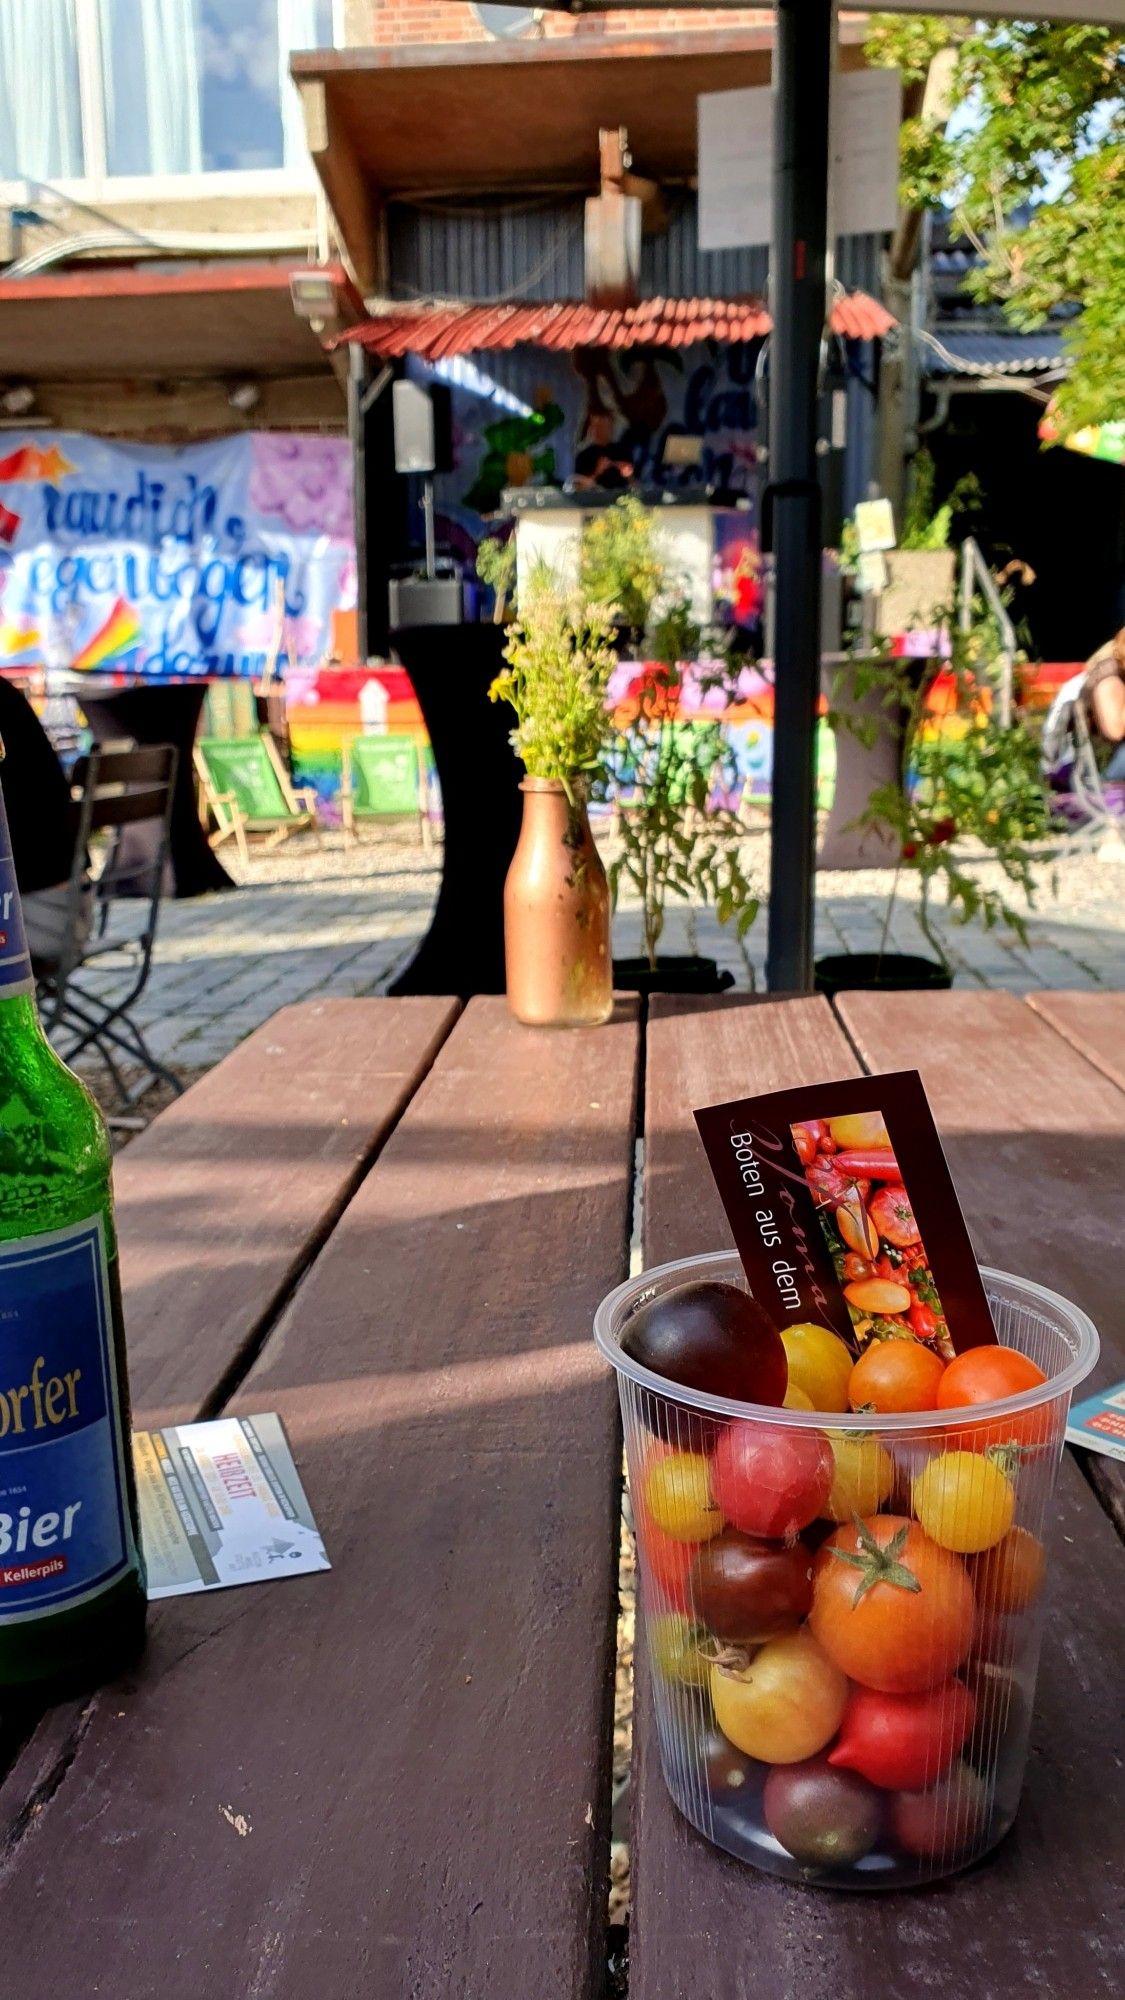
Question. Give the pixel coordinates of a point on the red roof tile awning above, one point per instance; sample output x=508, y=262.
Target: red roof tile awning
x=434, y=333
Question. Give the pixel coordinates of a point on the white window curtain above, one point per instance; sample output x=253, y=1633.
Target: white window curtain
x=151, y=81
x=40, y=108
x=299, y=26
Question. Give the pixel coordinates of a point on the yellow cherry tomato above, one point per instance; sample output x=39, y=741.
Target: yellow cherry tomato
x=859, y=1128
x=796, y=1399
x=785, y=1705
x=677, y=1496
x=673, y=1644
x=863, y=1477
x=964, y=1501
x=819, y=1363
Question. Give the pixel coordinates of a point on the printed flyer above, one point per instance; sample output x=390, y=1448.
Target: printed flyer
x=844, y=1213
x=222, y=1503
x=1098, y=1424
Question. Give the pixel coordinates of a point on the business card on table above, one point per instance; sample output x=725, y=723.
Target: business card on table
x=1099, y=1423
x=844, y=1213
x=222, y=1503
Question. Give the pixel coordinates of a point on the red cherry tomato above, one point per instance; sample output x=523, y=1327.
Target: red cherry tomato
x=923, y=1321
x=943, y=1821
x=665, y=1562
x=904, y=1742
x=771, y=1482
x=805, y=1143
x=987, y=1375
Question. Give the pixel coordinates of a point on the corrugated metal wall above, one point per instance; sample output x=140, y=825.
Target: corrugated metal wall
x=497, y=251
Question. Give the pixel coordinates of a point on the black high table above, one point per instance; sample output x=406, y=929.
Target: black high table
x=451, y=668
x=159, y=714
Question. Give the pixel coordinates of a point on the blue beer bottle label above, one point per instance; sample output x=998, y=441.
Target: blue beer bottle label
x=65, y=1532
x=15, y=960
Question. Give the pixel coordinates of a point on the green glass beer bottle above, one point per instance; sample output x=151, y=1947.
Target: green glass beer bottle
x=72, y=1593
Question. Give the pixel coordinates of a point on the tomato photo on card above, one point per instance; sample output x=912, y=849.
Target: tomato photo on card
x=844, y=1212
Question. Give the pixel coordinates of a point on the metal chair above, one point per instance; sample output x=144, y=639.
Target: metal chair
x=88, y=987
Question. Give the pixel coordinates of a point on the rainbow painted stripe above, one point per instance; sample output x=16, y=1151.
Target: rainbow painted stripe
x=115, y=640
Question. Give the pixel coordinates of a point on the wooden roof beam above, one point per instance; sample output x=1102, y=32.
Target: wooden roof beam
x=357, y=214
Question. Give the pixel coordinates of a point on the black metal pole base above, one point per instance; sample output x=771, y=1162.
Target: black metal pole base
x=451, y=668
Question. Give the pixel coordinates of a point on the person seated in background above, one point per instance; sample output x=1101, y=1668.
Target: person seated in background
x=1104, y=699
x=601, y=462
x=42, y=820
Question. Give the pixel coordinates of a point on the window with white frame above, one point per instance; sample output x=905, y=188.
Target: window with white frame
x=104, y=91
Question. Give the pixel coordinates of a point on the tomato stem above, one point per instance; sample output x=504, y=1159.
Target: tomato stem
x=878, y=1564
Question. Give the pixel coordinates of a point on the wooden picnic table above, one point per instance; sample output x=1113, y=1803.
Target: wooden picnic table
x=391, y=1220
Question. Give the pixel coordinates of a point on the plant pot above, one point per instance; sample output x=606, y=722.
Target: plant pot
x=557, y=958
x=875, y=972
x=671, y=975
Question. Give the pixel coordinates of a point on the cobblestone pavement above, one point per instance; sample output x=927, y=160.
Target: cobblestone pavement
x=311, y=922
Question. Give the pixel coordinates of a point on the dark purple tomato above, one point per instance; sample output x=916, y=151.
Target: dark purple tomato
x=747, y=1591
x=732, y=1777
x=710, y=1336
x=821, y=1821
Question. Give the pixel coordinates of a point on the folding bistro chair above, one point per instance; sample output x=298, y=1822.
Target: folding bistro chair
x=247, y=790
x=99, y=968
x=1070, y=765
x=383, y=779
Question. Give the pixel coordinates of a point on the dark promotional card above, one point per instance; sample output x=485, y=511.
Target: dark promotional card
x=844, y=1213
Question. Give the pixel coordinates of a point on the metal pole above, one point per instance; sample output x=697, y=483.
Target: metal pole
x=803, y=56
x=358, y=371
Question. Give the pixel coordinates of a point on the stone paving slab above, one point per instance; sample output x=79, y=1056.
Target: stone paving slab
x=339, y=921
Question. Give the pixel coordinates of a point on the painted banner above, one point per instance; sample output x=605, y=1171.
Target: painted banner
x=172, y=563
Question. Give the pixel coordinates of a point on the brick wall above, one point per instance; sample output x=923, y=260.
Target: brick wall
x=379, y=23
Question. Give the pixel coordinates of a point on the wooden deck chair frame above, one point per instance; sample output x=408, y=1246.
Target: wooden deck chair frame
x=347, y=799
x=231, y=823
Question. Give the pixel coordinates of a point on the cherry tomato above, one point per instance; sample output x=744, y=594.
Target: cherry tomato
x=1009, y=1577
x=987, y=1375
x=856, y=1229
x=806, y=1144
x=710, y=1336
x=878, y=1295
x=903, y=1742
x=746, y=1591
x=856, y=1266
x=819, y=1129
x=732, y=1777
x=862, y=1478
x=893, y=1216
x=945, y=1820
x=1002, y=1710
x=768, y=1481
x=676, y=1495
x=785, y=1705
x=964, y=1501
x=674, y=1648
x=860, y=1128
x=819, y=1363
x=796, y=1399
x=890, y=1607
x=895, y=1375
x=665, y=1562
x=823, y=1818
x=878, y=1162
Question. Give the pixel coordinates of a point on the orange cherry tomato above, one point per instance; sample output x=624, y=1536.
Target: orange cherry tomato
x=890, y=1608
x=1009, y=1577
x=987, y=1375
x=896, y=1375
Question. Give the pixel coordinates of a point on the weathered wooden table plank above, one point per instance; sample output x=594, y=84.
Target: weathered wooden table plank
x=1094, y=1024
x=225, y=1198
x=1034, y=1917
x=418, y=1744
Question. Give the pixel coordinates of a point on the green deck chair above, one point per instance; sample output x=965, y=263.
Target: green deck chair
x=246, y=789
x=383, y=779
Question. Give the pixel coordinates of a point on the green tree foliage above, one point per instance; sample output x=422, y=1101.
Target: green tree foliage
x=1040, y=121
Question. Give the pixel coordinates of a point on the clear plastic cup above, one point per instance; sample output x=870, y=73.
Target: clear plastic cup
x=864, y=1745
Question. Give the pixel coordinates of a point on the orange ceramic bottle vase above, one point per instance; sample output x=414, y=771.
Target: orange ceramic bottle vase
x=556, y=915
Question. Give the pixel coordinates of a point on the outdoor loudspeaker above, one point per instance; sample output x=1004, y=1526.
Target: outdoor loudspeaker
x=423, y=419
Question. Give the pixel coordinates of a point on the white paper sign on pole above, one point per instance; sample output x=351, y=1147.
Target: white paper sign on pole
x=736, y=160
